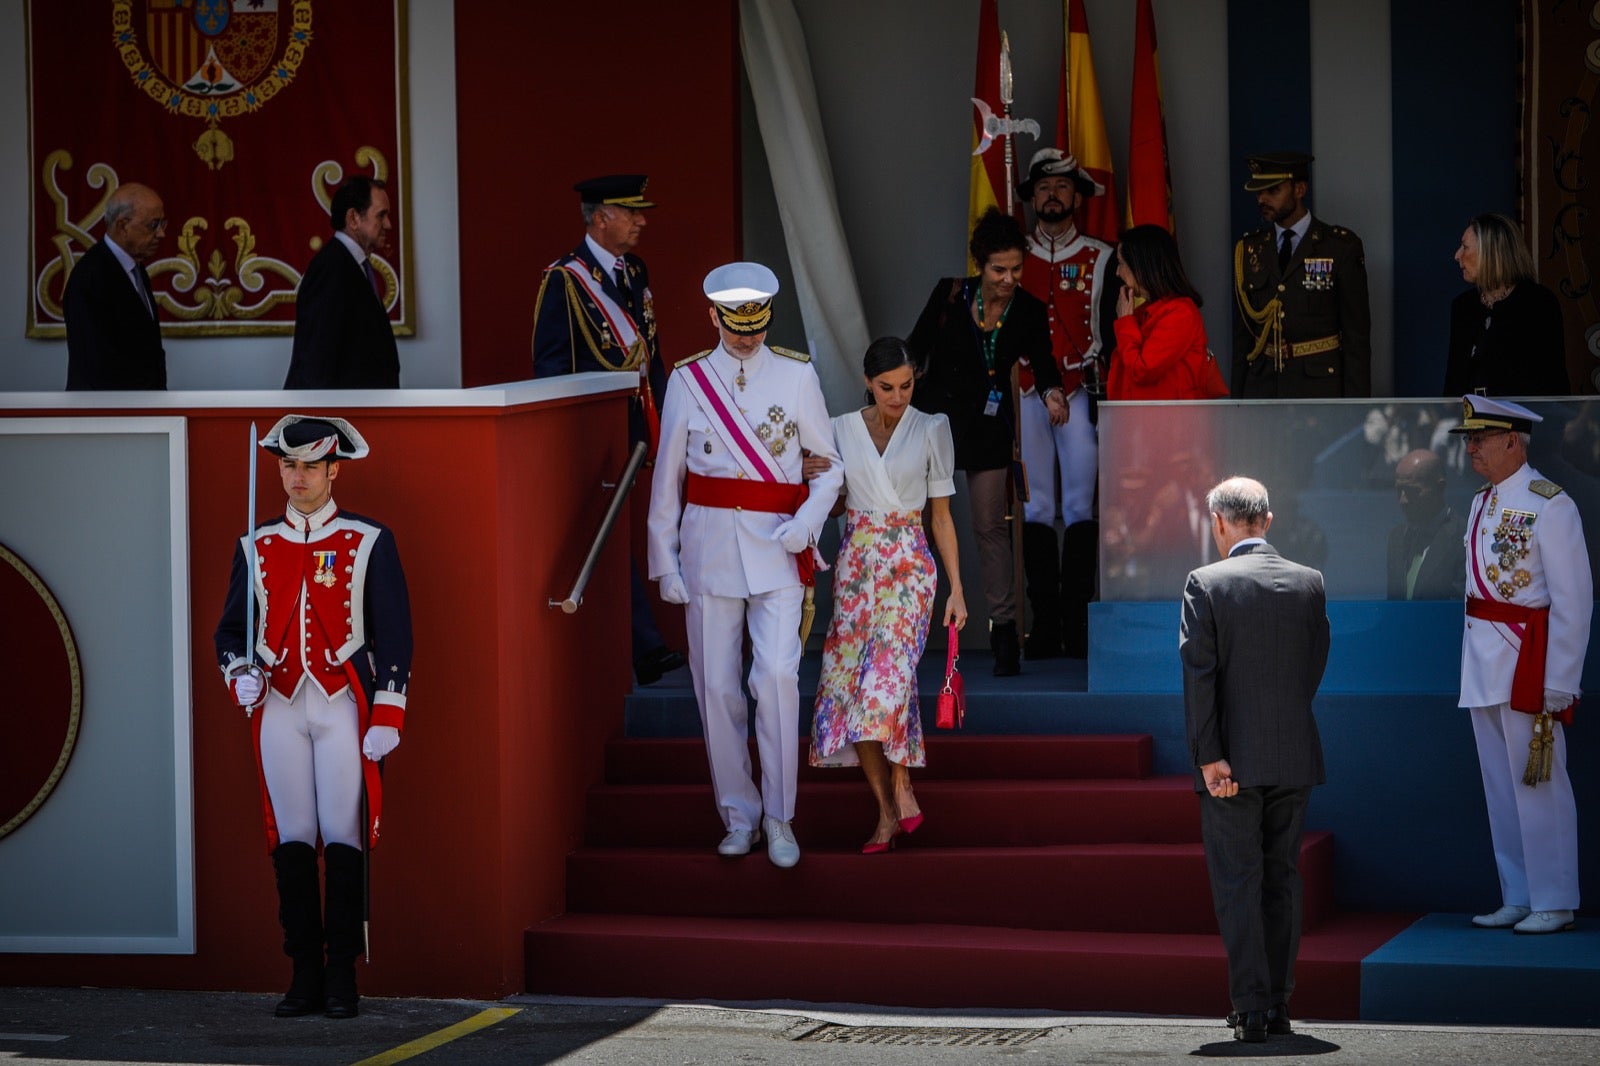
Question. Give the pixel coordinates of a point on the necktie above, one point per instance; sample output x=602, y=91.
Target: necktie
x=1285, y=250
x=372, y=278
x=620, y=274
x=141, y=281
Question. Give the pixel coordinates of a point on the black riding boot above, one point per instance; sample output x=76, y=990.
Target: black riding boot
x=344, y=928
x=1043, y=571
x=1080, y=571
x=1007, y=652
x=300, y=913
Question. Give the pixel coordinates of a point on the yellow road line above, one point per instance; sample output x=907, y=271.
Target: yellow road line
x=416, y=1047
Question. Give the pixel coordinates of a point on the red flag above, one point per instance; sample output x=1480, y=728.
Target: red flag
x=988, y=184
x=1081, y=125
x=1149, y=178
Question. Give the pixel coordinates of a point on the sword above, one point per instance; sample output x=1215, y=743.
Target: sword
x=250, y=590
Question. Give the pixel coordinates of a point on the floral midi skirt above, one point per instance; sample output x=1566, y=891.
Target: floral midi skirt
x=883, y=591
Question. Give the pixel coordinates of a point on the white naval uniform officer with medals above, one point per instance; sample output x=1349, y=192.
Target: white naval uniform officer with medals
x=1528, y=583
x=725, y=529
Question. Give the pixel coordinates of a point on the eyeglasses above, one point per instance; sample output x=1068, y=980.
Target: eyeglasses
x=1478, y=436
x=156, y=225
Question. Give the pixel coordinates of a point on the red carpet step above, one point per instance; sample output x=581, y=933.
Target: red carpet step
x=957, y=966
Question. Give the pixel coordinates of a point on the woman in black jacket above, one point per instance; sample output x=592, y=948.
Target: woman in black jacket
x=1505, y=331
x=969, y=336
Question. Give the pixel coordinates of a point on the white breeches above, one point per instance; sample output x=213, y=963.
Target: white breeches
x=1534, y=830
x=715, y=626
x=311, y=757
x=1073, y=449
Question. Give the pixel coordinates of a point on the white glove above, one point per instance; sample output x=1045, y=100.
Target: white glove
x=673, y=590
x=380, y=741
x=247, y=689
x=1556, y=702
x=793, y=535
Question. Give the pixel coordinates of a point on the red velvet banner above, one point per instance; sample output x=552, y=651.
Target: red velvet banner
x=244, y=115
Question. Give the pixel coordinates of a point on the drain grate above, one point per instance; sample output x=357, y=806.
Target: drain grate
x=901, y=1036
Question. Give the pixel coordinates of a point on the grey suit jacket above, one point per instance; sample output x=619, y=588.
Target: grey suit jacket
x=1254, y=642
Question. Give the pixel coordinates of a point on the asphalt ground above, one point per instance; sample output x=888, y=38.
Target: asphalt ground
x=122, y=1028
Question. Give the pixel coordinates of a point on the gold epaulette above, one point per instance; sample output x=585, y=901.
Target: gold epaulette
x=790, y=353
x=1548, y=489
x=692, y=358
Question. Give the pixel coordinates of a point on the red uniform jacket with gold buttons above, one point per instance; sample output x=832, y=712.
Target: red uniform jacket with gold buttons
x=331, y=611
x=1072, y=277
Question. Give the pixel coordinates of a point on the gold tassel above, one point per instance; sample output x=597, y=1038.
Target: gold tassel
x=808, y=614
x=1541, y=752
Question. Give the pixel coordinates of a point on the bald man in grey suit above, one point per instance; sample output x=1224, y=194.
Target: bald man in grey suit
x=1254, y=642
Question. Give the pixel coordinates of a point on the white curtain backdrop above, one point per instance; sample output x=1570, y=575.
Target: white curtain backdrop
x=779, y=69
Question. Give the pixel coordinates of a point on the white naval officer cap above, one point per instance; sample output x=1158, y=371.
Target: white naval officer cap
x=742, y=294
x=313, y=437
x=1483, y=412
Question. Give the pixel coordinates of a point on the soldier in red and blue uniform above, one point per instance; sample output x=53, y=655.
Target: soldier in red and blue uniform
x=328, y=670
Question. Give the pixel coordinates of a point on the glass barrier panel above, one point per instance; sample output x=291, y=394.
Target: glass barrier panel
x=1330, y=471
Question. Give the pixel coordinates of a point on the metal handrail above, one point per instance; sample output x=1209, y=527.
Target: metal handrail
x=623, y=486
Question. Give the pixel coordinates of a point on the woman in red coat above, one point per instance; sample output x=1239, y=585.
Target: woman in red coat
x=1161, y=340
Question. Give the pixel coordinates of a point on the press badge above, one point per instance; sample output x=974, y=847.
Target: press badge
x=991, y=406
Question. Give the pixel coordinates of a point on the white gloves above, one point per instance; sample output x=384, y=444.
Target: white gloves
x=673, y=590
x=1556, y=702
x=793, y=535
x=247, y=688
x=380, y=741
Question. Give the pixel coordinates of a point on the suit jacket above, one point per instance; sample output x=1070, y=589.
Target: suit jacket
x=562, y=344
x=112, y=340
x=1442, y=575
x=342, y=335
x=1327, y=300
x=1254, y=642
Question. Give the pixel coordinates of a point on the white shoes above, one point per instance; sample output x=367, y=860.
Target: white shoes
x=1503, y=918
x=1545, y=922
x=781, y=846
x=739, y=841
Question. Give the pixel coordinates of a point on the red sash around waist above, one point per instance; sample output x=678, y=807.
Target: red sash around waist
x=1527, y=683
x=742, y=494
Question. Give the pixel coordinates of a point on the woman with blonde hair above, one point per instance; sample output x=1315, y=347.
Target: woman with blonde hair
x=1505, y=331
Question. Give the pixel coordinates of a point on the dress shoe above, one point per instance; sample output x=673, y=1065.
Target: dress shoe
x=296, y=1006
x=878, y=847
x=1503, y=918
x=781, y=846
x=1545, y=922
x=1278, y=1021
x=340, y=1007
x=648, y=668
x=739, y=841
x=1007, y=651
x=1250, y=1026
x=912, y=824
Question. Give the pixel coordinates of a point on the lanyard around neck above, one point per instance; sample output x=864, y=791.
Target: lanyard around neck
x=992, y=337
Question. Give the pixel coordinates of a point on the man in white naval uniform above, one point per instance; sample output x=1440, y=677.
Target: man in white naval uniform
x=732, y=537
x=1529, y=599
x=1073, y=274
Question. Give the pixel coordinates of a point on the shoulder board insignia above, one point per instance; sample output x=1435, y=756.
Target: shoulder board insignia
x=1340, y=231
x=790, y=353
x=1548, y=489
x=692, y=358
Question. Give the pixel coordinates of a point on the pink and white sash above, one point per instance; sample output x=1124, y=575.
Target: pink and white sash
x=730, y=425
x=617, y=317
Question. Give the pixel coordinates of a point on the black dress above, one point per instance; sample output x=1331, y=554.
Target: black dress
x=1514, y=348
x=956, y=381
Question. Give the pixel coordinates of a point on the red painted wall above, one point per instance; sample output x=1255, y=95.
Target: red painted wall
x=483, y=799
x=549, y=94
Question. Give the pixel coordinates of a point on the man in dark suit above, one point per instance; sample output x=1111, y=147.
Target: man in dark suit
x=342, y=335
x=113, y=335
x=595, y=312
x=1427, y=556
x=1302, y=327
x=1254, y=641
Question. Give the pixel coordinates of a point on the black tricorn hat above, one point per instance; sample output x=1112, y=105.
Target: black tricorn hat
x=313, y=437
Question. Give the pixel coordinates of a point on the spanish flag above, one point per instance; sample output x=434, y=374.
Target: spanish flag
x=989, y=169
x=1149, y=177
x=1081, y=125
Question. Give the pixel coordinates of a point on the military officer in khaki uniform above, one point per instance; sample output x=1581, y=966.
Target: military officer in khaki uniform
x=1302, y=327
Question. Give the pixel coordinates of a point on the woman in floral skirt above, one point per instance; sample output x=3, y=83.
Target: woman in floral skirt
x=896, y=460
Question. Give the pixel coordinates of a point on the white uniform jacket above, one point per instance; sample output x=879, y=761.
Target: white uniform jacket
x=721, y=551
x=1525, y=547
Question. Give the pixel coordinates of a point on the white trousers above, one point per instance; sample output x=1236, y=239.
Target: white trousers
x=311, y=757
x=1073, y=449
x=1534, y=830
x=716, y=626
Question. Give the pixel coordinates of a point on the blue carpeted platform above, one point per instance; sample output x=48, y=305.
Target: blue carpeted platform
x=1443, y=969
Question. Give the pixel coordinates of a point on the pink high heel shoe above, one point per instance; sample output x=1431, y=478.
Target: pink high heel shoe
x=912, y=824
